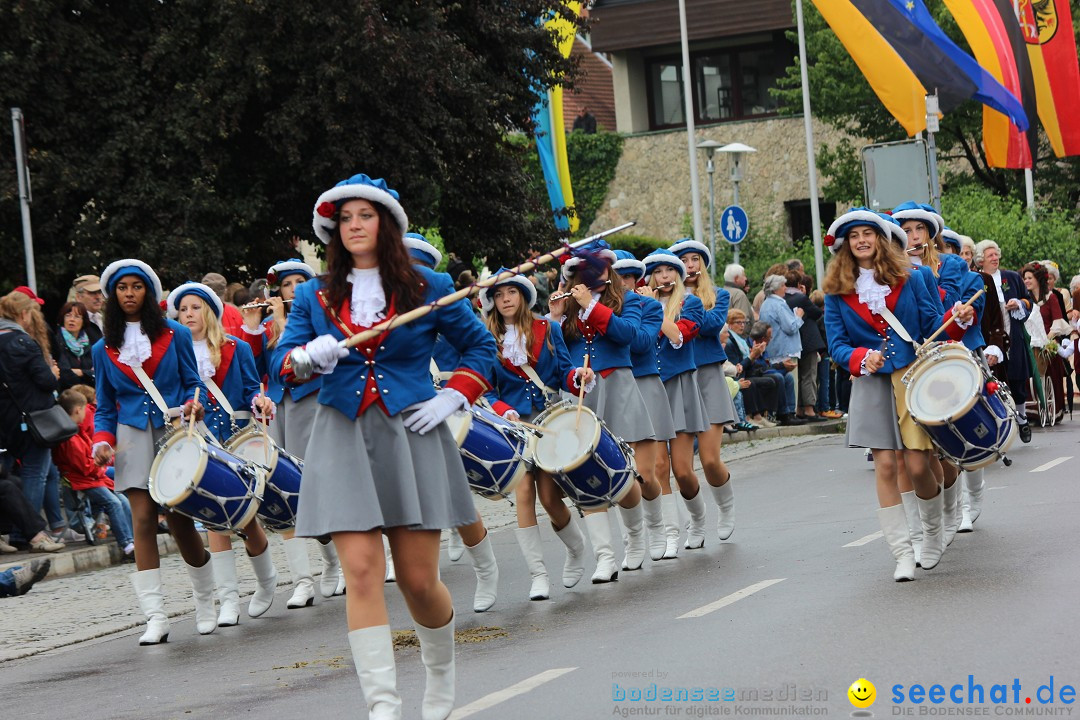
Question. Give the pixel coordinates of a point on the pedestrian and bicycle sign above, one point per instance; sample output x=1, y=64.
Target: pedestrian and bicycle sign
x=734, y=224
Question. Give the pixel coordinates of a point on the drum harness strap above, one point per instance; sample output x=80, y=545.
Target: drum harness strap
x=167, y=413
x=234, y=415
x=894, y=323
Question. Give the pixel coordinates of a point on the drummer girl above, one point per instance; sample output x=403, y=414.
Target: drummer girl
x=867, y=276
x=710, y=357
x=380, y=458
x=600, y=320
x=291, y=427
x=228, y=369
x=532, y=347
x=129, y=422
x=683, y=315
x=647, y=378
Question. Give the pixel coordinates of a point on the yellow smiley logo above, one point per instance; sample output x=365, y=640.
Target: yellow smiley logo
x=862, y=693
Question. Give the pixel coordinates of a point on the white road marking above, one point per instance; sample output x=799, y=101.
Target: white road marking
x=997, y=487
x=1052, y=464
x=499, y=696
x=863, y=540
x=733, y=597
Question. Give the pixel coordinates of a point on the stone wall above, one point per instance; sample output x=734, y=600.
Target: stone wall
x=652, y=181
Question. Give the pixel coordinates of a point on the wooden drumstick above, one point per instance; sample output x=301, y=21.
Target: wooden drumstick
x=262, y=428
x=531, y=426
x=951, y=319
x=191, y=417
x=581, y=394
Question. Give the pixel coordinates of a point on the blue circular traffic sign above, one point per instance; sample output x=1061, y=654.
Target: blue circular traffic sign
x=734, y=224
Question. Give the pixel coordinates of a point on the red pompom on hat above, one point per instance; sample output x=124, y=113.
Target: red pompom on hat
x=829, y=240
x=326, y=209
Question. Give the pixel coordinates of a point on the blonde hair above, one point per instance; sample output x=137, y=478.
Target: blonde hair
x=523, y=319
x=13, y=306
x=704, y=289
x=890, y=267
x=215, y=333
x=674, y=300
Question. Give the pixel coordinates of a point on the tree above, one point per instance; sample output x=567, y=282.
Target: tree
x=197, y=134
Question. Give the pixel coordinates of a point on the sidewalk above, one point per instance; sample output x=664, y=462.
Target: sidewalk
x=80, y=557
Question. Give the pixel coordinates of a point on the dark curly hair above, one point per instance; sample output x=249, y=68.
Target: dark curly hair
x=1042, y=277
x=151, y=317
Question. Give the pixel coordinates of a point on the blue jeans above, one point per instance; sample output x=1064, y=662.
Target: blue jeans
x=7, y=583
x=41, y=485
x=787, y=401
x=740, y=407
x=117, y=508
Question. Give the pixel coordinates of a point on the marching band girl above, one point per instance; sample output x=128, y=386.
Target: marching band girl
x=709, y=356
x=381, y=458
x=683, y=315
x=663, y=534
x=533, y=360
x=129, y=422
x=600, y=320
x=291, y=428
x=227, y=368
x=871, y=304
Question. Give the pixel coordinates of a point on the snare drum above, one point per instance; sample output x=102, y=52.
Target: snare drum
x=281, y=470
x=588, y=463
x=492, y=450
x=960, y=406
x=205, y=482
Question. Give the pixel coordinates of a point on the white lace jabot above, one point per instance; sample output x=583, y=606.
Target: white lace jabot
x=136, y=347
x=997, y=286
x=368, y=305
x=872, y=294
x=513, y=347
x=202, y=357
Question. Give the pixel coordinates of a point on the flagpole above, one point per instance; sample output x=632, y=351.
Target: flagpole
x=688, y=105
x=811, y=165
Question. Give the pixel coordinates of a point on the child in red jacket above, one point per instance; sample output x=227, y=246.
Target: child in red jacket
x=74, y=458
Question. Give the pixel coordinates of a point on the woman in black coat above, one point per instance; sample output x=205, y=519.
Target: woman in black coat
x=74, y=338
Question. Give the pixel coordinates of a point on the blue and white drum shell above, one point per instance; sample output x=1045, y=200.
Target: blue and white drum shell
x=206, y=483
x=492, y=451
x=947, y=396
x=588, y=463
x=282, y=472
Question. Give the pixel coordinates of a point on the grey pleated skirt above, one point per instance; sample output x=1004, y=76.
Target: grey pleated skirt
x=291, y=426
x=371, y=473
x=872, y=420
x=715, y=393
x=684, y=398
x=135, y=453
x=617, y=401
x=656, y=400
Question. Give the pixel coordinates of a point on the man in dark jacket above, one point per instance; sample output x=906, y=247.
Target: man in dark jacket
x=812, y=344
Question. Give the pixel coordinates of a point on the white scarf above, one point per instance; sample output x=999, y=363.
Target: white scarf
x=368, y=304
x=136, y=348
x=202, y=357
x=513, y=347
x=997, y=286
x=872, y=294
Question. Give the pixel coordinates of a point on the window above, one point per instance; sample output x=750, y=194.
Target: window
x=728, y=84
x=801, y=222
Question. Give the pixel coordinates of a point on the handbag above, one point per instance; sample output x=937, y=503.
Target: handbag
x=48, y=428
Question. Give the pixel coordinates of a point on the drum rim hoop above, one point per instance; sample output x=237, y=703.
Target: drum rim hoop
x=962, y=410
x=589, y=452
x=241, y=436
x=156, y=465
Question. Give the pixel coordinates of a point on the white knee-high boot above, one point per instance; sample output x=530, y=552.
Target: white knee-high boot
x=973, y=495
x=895, y=529
x=695, y=532
x=932, y=513
x=147, y=584
x=373, y=655
x=532, y=548
x=296, y=552
x=725, y=503
x=391, y=574
x=437, y=654
x=487, y=574
x=332, y=581
x=571, y=537
x=228, y=589
x=600, y=536
x=634, y=550
x=950, y=520
x=670, y=504
x=266, y=575
x=653, y=510
x=202, y=591
x=911, y=510
x=455, y=546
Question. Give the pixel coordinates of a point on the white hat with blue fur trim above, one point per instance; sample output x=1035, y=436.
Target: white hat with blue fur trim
x=599, y=248
x=203, y=292
x=359, y=186
x=487, y=294
x=130, y=266
x=627, y=264
x=952, y=237
x=856, y=217
x=688, y=245
x=925, y=214
x=663, y=256
x=421, y=250
x=283, y=268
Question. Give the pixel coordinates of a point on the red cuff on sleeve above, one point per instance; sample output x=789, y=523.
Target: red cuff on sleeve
x=600, y=317
x=288, y=373
x=501, y=407
x=469, y=383
x=855, y=363
x=954, y=331
x=570, y=384
x=102, y=436
x=689, y=329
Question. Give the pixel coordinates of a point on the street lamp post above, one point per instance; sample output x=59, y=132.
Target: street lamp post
x=710, y=147
x=736, y=151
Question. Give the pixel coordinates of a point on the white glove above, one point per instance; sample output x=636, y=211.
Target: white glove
x=325, y=353
x=511, y=415
x=1065, y=350
x=432, y=412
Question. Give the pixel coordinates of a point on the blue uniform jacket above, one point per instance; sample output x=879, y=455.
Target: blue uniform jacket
x=395, y=367
x=275, y=389
x=643, y=349
x=514, y=390
x=854, y=331
x=605, y=336
x=707, y=346
x=238, y=380
x=122, y=399
x=671, y=362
